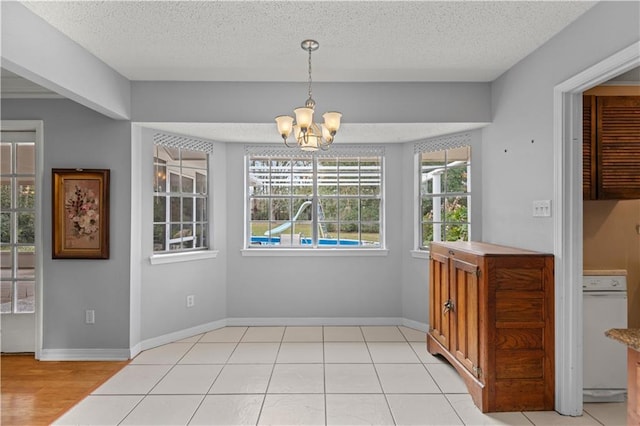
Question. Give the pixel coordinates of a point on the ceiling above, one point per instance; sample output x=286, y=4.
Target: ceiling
x=360, y=41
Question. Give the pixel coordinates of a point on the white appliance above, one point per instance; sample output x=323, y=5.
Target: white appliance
x=604, y=360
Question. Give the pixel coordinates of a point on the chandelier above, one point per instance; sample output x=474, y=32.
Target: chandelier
x=308, y=134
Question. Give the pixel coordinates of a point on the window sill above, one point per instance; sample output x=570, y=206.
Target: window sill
x=160, y=259
x=420, y=254
x=257, y=252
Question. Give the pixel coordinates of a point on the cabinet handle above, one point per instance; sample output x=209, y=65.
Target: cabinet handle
x=447, y=306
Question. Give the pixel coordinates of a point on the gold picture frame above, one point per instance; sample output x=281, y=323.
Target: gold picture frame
x=80, y=219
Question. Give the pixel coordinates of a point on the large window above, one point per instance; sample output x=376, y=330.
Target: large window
x=17, y=222
x=445, y=195
x=180, y=199
x=315, y=201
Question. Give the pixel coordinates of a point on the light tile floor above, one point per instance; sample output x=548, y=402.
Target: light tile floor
x=300, y=376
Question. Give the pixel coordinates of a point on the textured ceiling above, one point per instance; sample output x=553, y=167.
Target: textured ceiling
x=369, y=41
x=359, y=40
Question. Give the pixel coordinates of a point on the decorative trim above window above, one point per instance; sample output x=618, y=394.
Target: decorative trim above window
x=176, y=141
x=341, y=151
x=442, y=143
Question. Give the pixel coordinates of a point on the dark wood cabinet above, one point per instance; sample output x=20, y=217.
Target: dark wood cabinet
x=491, y=317
x=611, y=147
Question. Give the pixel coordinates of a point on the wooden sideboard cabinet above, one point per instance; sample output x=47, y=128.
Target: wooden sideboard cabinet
x=491, y=316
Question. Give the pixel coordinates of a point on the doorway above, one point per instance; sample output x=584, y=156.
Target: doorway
x=20, y=236
x=568, y=222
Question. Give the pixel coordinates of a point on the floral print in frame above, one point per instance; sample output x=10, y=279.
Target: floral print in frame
x=81, y=213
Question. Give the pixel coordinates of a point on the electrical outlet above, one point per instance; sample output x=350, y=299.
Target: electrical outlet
x=191, y=301
x=542, y=208
x=90, y=316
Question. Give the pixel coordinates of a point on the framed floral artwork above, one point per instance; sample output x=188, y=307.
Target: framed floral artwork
x=80, y=213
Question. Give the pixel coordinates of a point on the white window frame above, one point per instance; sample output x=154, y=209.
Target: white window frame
x=313, y=250
x=440, y=144
x=171, y=256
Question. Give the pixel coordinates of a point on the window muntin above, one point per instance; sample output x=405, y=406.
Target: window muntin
x=445, y=195
x=180, y=199
x=17, y=223
x=314, y=202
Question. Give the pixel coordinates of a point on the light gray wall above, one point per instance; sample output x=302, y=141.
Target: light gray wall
x=164, y=287
x=317, y=286
x=358, y=102
x=75, y=136
x=518, y=145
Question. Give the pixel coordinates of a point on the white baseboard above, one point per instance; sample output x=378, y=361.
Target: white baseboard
x=124, y=354
x=314, y=321
x=415, y=324
x=179, y=335
x=84, y=355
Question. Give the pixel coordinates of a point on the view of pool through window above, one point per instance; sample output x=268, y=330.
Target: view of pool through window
x=307, y=202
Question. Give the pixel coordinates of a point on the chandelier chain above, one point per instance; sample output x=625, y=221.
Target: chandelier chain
x=310, y=97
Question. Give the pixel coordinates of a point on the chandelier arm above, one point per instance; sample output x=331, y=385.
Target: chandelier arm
x=285, y=142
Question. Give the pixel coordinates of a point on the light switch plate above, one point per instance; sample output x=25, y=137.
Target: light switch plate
x=542, y=208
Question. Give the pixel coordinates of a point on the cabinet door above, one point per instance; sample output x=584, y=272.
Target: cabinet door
x=464, y=280
x=439, y=316
x=588, y=147
x=618, y=142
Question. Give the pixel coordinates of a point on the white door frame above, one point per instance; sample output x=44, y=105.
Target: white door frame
x=37, y=126
x=567, y=147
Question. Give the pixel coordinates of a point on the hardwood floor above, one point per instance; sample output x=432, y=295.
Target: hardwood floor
x=38, y=392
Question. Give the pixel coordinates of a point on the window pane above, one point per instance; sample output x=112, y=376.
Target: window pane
x=327, y=177
x=259, y=209
x=6, y=263
x=370, y=210
x=187, y=235
x=201, y=209
x=25, y=295
x=159, y=175
x=348, y=174
x=26, y=193
x=280, y=209
x=174, y=180
x=160, y=209
x=259, y=176
x=302, y=183
x=348, y=209
x=5, y=228
x=159, y=237
x=456, y=209
x=349, y=234
x=26, y=228
x=370, y=234
x=201, y=182
x=6, y=292
x=25, y=159
x=187, y=209
x=456, y=232
x=187, y=184
x=456, y=179
x=370, y=171
x=328, y=209
x=5, y=193
x=175, y=209
x=201, y=236
x=175, y=242
x=427, y=234
x=26, y=262
x=280, y=176
x=5, y=158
